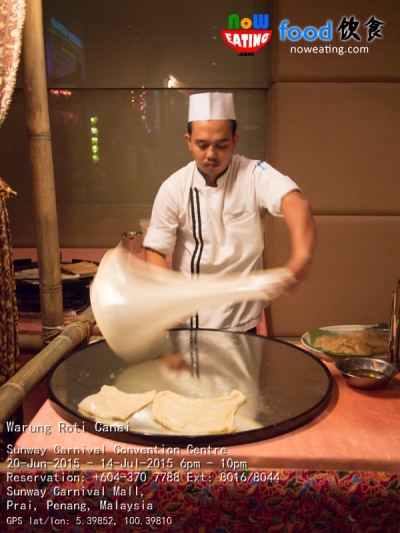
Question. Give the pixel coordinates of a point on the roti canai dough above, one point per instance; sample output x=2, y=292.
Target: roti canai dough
x=134, y=302
x=110, y=402
x=192, y=416
x=83, y=267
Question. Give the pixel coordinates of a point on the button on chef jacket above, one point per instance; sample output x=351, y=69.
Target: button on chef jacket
x=217, y=230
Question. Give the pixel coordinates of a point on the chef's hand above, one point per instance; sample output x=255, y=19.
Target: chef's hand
x=301, y=267
x=176, y=363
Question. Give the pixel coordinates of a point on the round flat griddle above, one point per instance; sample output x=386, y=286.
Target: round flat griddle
x=285, y=387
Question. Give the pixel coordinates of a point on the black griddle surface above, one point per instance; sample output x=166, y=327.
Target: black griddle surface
x=285, y=387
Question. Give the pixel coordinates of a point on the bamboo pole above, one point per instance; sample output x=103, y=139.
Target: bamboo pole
x=16, y=389
x=44, y=197
x=30, y=344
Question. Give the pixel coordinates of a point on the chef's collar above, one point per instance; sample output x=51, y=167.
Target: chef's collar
x=219, y=181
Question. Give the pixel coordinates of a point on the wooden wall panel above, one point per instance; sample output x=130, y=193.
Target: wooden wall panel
x=357, y=264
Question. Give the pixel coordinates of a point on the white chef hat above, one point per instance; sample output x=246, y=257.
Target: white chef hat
x=211, y=106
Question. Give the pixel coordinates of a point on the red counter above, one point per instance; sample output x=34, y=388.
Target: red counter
x=337, y=473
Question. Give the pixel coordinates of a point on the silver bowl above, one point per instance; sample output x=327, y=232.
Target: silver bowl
x=368, y=374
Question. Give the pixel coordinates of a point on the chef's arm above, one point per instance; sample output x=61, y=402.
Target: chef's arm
x=155, y=258
x=303, y=233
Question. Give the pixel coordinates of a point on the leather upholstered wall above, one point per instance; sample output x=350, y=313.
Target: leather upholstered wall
x=334, y=127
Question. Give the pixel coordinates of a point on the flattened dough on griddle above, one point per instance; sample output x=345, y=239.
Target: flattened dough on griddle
x=110, y=402
x=192, y=416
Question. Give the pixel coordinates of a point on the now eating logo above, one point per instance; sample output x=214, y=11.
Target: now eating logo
x=246, y=39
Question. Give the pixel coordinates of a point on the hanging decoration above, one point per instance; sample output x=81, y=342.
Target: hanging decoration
x=143, y=111
x=12, y=15
x=94, y=132
x=9, y=349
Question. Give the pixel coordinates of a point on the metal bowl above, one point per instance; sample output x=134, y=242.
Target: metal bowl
x=368, y=374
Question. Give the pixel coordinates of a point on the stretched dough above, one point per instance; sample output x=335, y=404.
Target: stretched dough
x=134, y=302
x=110, y=402
x=192, y=416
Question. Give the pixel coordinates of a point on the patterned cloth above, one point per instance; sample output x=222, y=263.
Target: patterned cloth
x=9, y=349
x=283, y=501
x=12, y=14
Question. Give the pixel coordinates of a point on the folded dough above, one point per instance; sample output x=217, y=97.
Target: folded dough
x=83, y=267
x=110, y=402
x=192, y=416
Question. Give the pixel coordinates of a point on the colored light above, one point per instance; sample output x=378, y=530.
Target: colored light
x=95, y=158
x=94, y=131
x=95, y=149
x=95, y=141
x=93, y=120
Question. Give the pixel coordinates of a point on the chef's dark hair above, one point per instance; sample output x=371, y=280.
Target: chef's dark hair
x=233, y=127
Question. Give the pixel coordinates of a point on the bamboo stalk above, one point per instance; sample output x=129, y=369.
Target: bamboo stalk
x=30, y=344
x=16, y=389
x=44, y=197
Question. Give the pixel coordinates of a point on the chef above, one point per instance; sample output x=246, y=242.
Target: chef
x=207, y=214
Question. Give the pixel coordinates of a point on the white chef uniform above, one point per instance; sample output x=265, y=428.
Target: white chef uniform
x=217, y=230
